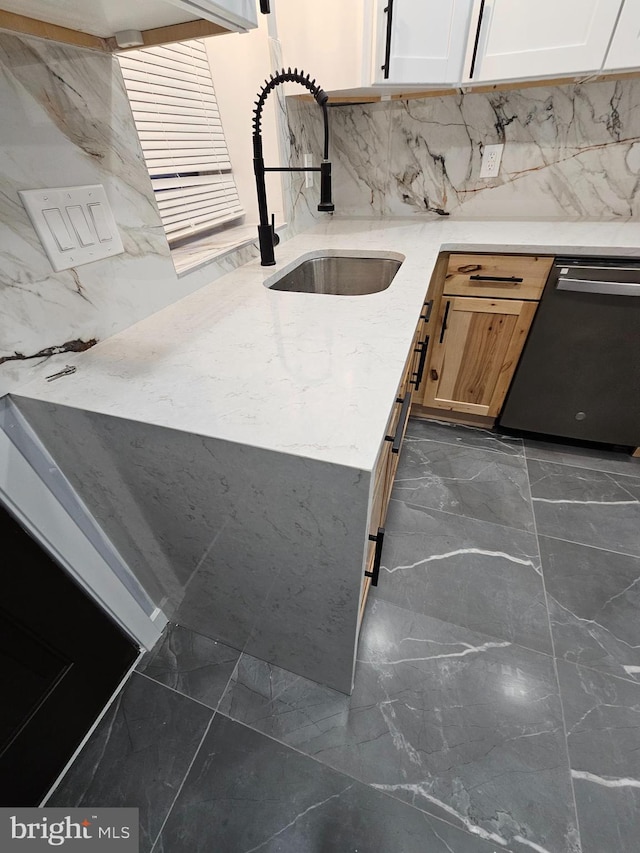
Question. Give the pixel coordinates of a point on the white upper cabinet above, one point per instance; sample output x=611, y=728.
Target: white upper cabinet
x=362, y=47
x=624, y=51
x=354, y=44
x=522, y=39
x=330, y=39
x=426, y=43
x=103, y=18
x=233, y=14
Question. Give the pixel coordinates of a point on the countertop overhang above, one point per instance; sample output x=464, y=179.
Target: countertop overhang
x=304, y=374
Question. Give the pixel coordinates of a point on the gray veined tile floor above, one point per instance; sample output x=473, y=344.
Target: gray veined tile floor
x=497, y=696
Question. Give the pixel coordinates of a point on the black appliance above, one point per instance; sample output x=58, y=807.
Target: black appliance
x=579, y=374
x=62, y=657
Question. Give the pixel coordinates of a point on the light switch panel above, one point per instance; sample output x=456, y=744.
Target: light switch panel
x=75, y=224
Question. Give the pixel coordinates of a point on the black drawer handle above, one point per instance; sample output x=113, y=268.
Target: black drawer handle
x=444, y=320
x=388, y=9
x=476, y=40
x=427, y=314
x=512, y=279
x=374, y=574
x=422, y=348
x=404, y=415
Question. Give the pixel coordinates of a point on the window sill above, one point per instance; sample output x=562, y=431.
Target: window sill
x=203, y=250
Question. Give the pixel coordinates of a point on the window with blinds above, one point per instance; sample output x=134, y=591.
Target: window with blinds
x=176, y=115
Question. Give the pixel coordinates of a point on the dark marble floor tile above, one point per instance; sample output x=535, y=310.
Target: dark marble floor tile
x=192, y=664
x=466, y=481
x=138, y=756
x=594, y=601
x=245, y=792
x=463, y=436
x=463, y=726
x=591, y=507
x=602, y=716
x=472, y=573
x=597, y=459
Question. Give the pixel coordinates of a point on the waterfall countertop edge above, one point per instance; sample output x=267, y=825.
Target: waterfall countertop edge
x=303, y=374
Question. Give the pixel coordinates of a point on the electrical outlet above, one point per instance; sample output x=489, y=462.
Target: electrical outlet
x=308, y=176
x=491, y=157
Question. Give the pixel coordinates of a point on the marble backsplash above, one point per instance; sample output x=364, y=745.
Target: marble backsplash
x=67, y=121
x=571, y=152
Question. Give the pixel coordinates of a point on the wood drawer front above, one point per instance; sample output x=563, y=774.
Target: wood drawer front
x=476, y=354
x=383, y=481
x=499, y=276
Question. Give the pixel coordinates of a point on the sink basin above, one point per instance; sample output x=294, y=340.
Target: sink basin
x=339, y=276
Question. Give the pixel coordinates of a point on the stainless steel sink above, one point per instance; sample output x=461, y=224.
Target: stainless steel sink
x=339, y=276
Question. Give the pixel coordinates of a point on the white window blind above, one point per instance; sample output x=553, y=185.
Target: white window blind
x=178, y=122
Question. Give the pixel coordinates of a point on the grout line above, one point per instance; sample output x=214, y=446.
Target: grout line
x=459, y=826
x=377, y=597
x=408, y=439
x=555, y=662
x=179, y=692
x=603, y=673
x=581, y=465
x=181, y=786
x=234, y=671
x=586, y=545
x=76, y=753
x=459, y=515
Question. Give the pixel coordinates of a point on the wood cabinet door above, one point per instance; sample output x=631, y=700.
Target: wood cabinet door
x=543, y=38
x=624, y=50
x=475, y=352
x=428, y=40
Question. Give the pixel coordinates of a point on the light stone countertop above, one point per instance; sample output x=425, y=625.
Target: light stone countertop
x=305, y=374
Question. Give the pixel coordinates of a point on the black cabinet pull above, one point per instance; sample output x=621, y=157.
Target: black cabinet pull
x=444, y=320
x=477, y=40
x=374, y=574
x=427, y=314
x=513, y=279
x=387, y=46
x=404, y=415
x=422, y=348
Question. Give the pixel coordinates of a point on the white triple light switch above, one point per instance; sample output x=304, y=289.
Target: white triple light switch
x=75, y=224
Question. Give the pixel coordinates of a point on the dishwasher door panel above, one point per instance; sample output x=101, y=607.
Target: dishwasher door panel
x=579, y=375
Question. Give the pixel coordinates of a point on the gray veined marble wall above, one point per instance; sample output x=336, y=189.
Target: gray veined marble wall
x=571, y=152
x=66, y=120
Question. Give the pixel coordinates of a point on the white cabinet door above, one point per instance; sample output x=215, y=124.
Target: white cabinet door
x=428, y=41
x=325, y=39
x=624, y=51
x=232, y=14
x=543, y=38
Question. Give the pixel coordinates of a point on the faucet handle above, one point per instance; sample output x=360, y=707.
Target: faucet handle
x=276, y=237
x=326, y=205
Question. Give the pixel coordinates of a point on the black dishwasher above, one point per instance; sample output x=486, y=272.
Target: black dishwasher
x=579, y=374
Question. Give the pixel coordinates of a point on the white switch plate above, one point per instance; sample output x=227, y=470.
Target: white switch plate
x=491, y=157
x=75, y=224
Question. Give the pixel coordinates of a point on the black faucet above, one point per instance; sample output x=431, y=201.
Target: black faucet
x=266, y=230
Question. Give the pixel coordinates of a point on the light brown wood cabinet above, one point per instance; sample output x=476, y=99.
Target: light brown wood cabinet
x=473, y=360
x=387, y=462
x=483, y=308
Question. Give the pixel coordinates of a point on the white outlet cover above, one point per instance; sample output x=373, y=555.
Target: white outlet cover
x=491, y=157
x=75, y=224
